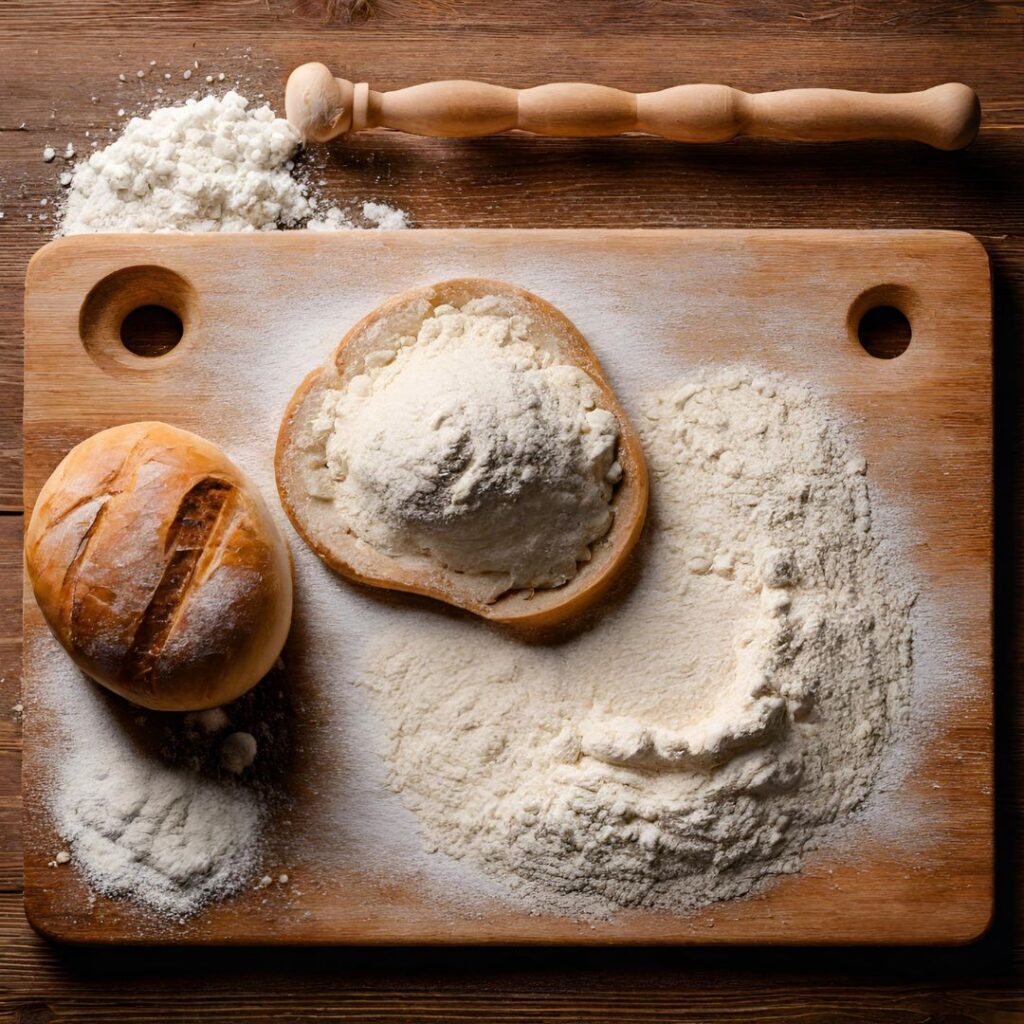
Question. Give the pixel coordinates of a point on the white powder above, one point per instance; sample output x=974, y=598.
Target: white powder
x=374, y=215
x=705, y=732
x=385, y=217
x=148, y=810
x=138, y=827
x=214, y=164
x=209, y=721
x=472, y=445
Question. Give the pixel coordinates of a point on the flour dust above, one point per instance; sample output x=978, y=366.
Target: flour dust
x=165, y=809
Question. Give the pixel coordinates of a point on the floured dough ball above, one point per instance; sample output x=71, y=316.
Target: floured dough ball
x=462, y=442
x=238, y=752
x=158, y=567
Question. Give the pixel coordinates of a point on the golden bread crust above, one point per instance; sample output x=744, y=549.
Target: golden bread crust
x=158, y=567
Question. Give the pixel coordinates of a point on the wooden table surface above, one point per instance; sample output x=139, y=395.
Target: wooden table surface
x=56, y=57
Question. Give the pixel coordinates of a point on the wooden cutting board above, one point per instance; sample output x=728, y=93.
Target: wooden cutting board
x=260, y=310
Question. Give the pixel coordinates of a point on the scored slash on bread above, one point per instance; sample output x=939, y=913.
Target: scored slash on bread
x=158, y=567
x=301, y=450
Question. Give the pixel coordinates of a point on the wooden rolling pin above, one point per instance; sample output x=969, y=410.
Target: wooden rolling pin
x=322, y=107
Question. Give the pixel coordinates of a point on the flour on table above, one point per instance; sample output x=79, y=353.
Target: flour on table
x=148, y=808
x=471, y=444
x=705, y=734
x=238, y=752
x=374, y=215
x=213, y=164
x=163, y=835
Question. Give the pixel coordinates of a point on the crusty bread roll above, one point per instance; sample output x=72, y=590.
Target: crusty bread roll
x=301, y=454
x=159, y=568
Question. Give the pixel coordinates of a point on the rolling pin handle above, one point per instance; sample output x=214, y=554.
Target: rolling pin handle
x=317, y=104
x=360, y=107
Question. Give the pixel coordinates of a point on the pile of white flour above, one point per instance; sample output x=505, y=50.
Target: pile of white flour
x=705, y=733
x=139, y=798
x=214, y=164
x=475, y=447
x=163, y=835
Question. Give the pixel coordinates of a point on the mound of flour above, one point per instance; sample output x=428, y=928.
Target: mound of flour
x=728, y=709
x=473, y=446
x=214, y=164
x=138, y=797
x=165, y=836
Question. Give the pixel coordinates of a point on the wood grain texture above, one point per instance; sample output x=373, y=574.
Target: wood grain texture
x=56, y=54
x=786, y=300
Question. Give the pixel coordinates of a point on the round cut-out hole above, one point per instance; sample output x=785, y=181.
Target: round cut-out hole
x=151, y=331
x=138, y=317
x=884, y=331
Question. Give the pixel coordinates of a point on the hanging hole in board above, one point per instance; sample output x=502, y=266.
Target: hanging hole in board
x=880, y=320
x=151, y=331
x=885, y=332
x=139, y=318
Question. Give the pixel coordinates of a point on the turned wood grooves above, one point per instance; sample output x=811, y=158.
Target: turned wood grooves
x=322, y=107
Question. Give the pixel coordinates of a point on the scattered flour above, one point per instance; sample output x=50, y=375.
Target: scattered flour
x=731, y=707
x=213, y=164
x=472, y=445
x=147, y=808
x=374, y=215
x=385, y=217
x=209, y=721
x=165, y=836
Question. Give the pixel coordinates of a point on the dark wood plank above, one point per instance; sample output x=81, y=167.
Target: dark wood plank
x=11, y=710
x=55, y=55
x=404, y=985
x=526, y=18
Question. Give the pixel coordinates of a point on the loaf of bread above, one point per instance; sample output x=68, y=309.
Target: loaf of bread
x=158, y=567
